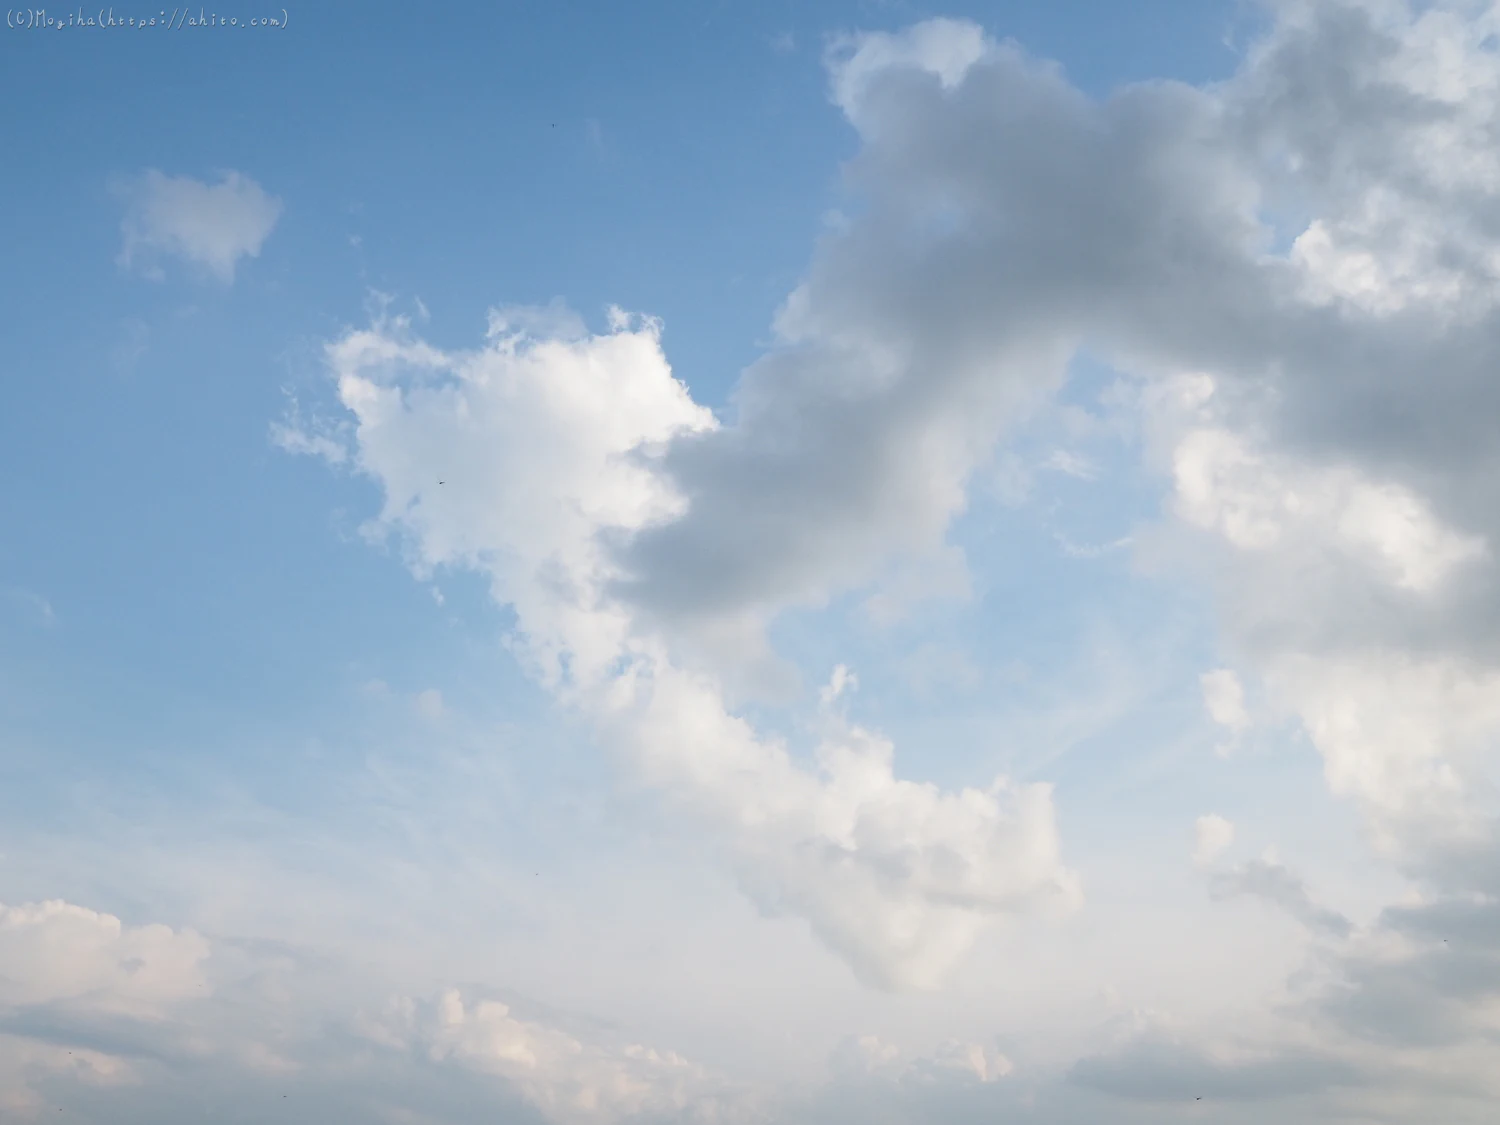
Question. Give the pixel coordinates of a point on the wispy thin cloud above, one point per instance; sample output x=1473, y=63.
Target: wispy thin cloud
x=211, y=226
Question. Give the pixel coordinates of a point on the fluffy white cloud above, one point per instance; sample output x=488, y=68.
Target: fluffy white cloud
x=531, y=459
x=568, y=1080
x=1258, y=504
x=1408, y=735
x=209, y=225
x=55, y=952
x=111, y=1022
x=65, y=966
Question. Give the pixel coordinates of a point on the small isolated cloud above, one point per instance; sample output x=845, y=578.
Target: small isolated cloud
x=1091, y=550
x=1211, y=834
x=211, y=226
x=840, y=682
x=784, y=44
x=1071, y=465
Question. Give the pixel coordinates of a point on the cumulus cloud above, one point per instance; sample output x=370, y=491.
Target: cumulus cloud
x=568, y=1080
x=1408, y=735
x=209, y=225
x=551, y=450
x=55, y=952
x=111, y=1022
x=74, y=986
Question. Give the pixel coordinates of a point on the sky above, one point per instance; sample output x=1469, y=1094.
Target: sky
x=751, y=564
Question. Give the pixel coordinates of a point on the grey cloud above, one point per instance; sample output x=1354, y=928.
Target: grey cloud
x=72, y=1025
x=1002, y=222
x=1007, y=219
x=1281, y=887
x=1159, y=1070
x=1430, y=996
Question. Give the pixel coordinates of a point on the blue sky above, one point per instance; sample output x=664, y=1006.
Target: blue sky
x=783, y=563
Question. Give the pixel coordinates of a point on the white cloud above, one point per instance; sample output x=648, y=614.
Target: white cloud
x=944, y=49
x=840, y=682
x=211, y=226
x=550, y=451
x=57, y=952
x=1257, y=504
x=65, y=966
x=87, y=1002
x=1071, y=464
x=568, y=1080
x=1212, y=834
x=1406, y=735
